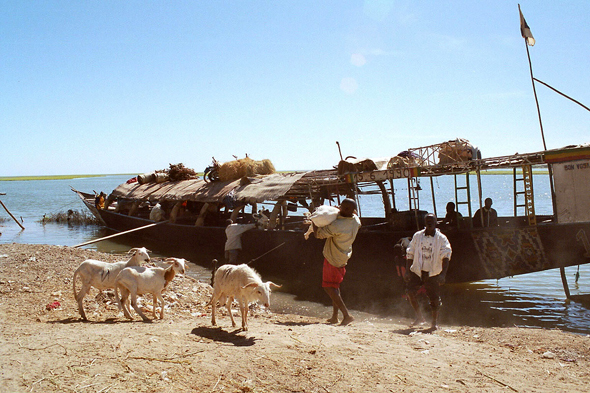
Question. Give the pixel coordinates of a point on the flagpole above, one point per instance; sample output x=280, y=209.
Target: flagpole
x=541, y=125
x=525, y=31
x=535, y=93
x=526, y=34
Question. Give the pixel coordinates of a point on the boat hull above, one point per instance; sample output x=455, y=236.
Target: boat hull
x=286, y=257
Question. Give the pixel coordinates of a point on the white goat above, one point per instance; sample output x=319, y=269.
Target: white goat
x=101, y=275
x=138, y=280
x=242, y=283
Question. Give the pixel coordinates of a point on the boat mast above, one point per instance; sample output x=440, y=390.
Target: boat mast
x=529, y=40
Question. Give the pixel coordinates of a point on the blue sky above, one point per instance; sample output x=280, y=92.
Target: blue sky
x=129, y=87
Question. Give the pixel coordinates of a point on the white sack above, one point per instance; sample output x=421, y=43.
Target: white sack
x=322, y=216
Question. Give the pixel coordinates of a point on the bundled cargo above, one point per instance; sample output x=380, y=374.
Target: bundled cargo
x=405, y=159
x=176, y=172
x=242, y=167
x=458, y=150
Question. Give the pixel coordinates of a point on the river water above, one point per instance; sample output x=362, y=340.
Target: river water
x=534, y=300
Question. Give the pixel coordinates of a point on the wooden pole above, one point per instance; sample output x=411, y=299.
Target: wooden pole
x=550, y=169
x=553, y=201
x=433, y=196
x=119, y=234
x=566, y=287
x=10, y=214
x=535, y=94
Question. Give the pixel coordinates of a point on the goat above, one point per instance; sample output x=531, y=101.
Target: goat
x=101, y=275
x=138, y=280
x=242, y=283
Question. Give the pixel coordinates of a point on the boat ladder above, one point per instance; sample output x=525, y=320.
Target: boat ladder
x=463, y=193
x=413, y=196
x=527, y=193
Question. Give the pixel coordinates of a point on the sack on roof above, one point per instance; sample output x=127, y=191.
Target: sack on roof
x=458, y=150
x=237, y=169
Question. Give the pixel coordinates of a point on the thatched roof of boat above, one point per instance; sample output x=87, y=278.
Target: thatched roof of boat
x=247, y=189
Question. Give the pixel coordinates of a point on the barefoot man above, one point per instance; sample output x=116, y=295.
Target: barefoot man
x=427, y=262
x=339, y=236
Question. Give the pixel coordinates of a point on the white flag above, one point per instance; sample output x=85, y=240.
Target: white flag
x=525, y=30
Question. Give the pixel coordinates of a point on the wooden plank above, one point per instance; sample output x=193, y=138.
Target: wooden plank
x=120, y=233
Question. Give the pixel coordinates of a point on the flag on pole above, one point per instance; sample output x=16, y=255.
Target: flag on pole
x=525, y=30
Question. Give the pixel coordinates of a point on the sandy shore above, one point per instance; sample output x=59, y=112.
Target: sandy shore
x=47, y=349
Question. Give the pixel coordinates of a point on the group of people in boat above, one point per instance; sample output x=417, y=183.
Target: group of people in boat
x=484, y=217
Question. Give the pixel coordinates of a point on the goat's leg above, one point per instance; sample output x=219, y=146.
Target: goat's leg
x=80, y=299
x=125, y=303
x=244, y=311
x=161, y=299
x=228, y=306
x=213, y=302
x=154, y=305
x=137, y=309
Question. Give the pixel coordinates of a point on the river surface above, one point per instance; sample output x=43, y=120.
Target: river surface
x=533, y=300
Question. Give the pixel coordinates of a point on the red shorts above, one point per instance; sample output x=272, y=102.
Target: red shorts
x=332, y=276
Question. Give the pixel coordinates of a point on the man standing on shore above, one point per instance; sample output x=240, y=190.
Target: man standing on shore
x=427, y=261
x=339, y=236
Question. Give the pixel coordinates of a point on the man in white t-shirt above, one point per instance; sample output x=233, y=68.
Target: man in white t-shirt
x=427, y=261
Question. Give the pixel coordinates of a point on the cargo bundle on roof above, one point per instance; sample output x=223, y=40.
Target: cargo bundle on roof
x=239, y=168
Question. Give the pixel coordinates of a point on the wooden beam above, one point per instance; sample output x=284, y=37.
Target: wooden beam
x=120, y=233
x=10, y=214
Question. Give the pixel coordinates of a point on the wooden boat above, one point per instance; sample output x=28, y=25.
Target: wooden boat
x=523, y=243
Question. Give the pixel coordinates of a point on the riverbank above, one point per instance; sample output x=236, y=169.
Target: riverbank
x=45, y=347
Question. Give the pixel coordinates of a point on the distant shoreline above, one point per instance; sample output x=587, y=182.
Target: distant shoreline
x=65, y=177
x=57, y=177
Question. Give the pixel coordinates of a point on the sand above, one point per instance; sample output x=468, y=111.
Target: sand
x=45, y=347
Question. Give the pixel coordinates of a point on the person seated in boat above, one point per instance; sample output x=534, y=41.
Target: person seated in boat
x=99, y=200
x=233, y=244
x=453, y=218
x=486, y=216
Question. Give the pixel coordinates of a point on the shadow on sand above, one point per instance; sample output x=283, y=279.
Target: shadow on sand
x=80, y=320
x=291, y=323
x=218, y=334
x=410, y=330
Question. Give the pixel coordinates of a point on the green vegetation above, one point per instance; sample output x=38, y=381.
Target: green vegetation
x=72, y=217
x=53, y=177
